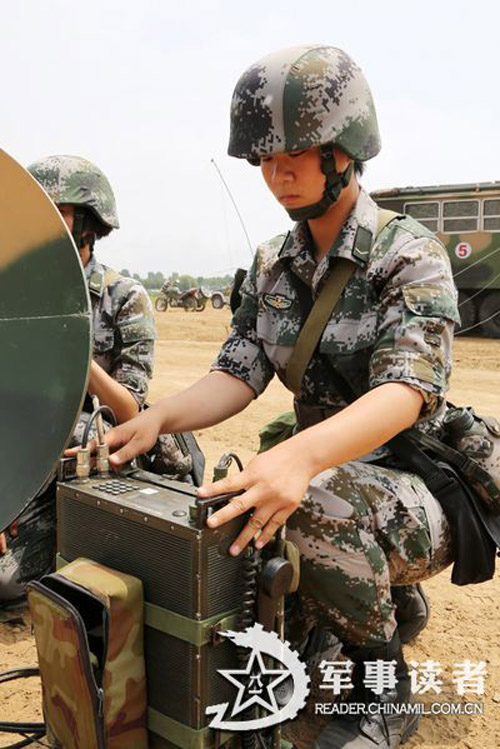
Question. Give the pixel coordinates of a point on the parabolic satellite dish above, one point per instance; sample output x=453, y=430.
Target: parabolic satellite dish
x=45, y=337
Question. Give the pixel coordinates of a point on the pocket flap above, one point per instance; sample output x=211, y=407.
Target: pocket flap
x=140, y=330
x=430, y=301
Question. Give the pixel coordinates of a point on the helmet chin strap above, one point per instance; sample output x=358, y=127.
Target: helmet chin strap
x=334, y=184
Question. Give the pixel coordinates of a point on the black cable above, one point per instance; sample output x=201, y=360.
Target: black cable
x=6, y=727
x=101, y=409
x=26, y=742
x=37, y=730
x=19, y=673
x=236, y=460
x=247, y=616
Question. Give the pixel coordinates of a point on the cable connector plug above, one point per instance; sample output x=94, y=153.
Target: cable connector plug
x=83, y=464
x=103, y=460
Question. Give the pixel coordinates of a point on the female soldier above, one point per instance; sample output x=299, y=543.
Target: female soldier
x=306, y=116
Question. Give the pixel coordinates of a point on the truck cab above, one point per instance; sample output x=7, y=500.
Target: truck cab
x=466, y=218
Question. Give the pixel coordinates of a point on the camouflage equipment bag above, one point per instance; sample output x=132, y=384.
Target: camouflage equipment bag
x=476, y=438
x=176, y=456
x=88, y=623
x=278, y=430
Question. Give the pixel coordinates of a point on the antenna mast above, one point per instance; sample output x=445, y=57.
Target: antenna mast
x=234, y=204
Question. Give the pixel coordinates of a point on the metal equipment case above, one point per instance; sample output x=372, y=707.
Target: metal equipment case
x=192, y=589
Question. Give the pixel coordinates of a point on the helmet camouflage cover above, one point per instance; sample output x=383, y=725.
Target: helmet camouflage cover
x=300, y=97
x=74, y=180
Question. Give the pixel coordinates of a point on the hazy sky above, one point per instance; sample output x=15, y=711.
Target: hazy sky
x=143, y=89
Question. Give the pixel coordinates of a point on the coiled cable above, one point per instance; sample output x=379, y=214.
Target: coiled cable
x=102, y=409
x=32, y=732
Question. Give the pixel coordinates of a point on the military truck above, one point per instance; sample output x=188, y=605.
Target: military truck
x=466, y=218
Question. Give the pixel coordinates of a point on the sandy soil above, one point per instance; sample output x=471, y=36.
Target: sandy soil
x=464, y=623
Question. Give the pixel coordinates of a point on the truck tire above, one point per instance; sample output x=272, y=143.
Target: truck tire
x=217, y=301
x=467, y=310
x=489, y=314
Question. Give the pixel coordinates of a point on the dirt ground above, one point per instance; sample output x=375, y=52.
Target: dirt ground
x=465, y=623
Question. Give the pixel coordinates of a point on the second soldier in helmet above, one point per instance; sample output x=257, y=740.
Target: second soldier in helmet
x=305, y=115
x=122, y=315
x=123, y=349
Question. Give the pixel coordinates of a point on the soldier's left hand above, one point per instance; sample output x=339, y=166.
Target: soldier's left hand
x=273, y=484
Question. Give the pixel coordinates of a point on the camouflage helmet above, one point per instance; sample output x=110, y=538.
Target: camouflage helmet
x=300, y=97
x=74, y=180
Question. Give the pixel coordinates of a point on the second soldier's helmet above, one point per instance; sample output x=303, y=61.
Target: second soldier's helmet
x=74, y=180
x=299, y=97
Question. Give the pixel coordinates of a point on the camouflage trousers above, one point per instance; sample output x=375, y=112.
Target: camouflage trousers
x=360, y=529
x=31, y=553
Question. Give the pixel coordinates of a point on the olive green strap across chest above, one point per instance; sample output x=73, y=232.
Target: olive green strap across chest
x=321, y=312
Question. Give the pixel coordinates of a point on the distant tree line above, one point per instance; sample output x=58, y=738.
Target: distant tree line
x=155, y=280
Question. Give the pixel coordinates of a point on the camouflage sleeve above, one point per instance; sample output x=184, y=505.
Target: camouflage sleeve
x=133, y=367
x=242, y=354
x=418, y=309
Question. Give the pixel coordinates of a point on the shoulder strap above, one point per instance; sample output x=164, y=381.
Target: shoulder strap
x=321, y=312
x=98, y=280
x=385, y=217
x=316, y=321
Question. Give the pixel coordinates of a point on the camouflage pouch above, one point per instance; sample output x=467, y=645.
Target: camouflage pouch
x=169, y=459
x=478, y=439
x=88, y=623
x=177, y=456
x=278, y=430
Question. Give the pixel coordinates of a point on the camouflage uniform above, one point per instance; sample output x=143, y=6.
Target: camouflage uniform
x=364, y=524
x=361, y=526
x=124, y=333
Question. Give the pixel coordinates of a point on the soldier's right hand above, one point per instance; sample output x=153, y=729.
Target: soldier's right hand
x=132, y=438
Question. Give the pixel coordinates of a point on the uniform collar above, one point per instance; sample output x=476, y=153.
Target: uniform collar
x=94, y=273
x=354, y=241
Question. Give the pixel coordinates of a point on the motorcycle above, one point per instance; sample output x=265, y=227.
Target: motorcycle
x=171, y=296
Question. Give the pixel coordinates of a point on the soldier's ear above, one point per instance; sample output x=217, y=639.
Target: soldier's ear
x=342, y=160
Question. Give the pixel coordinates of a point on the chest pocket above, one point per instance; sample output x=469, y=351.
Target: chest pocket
x=278, y=319
x=353, y=325
x=347, y=335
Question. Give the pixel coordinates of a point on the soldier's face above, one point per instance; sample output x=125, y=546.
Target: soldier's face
x=295, y=178
x=67, y=211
